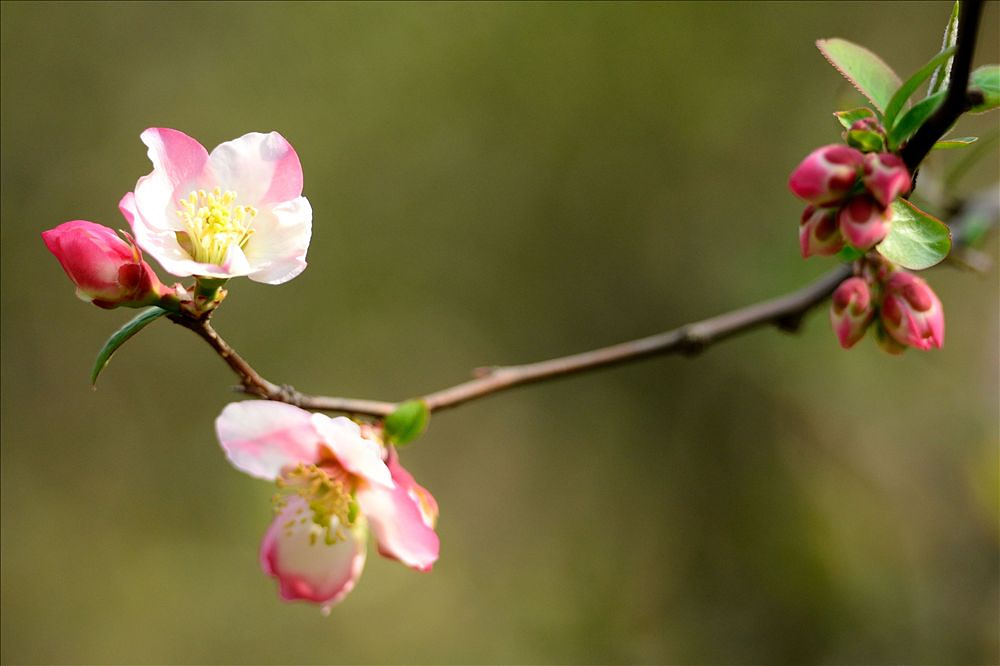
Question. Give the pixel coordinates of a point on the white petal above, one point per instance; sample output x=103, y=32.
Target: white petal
x=277, y=249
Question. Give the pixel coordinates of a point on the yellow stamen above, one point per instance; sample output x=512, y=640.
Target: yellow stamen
x=213, y=223
x=329, y=500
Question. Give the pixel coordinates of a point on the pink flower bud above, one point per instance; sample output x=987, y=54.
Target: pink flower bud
x=826, y=175
x=106, y=270
x=818, y=232
x=863, y=222
x=912, y=313
x=851, y=311
x=886, y=177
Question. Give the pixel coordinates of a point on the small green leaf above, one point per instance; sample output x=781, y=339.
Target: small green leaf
x=986, y=79
x=910, y=121
x=848, y=254
x=121, y=336
x=407, y=423
x=903, y=94
x=851, y=116
x=916, y=239
x=866, y=71
x=866, y=141
x=939, y=81
x=954, y=142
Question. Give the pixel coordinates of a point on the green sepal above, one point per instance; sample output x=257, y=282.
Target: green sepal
x=910, y=86
x=851, y=116
x=848, y=254
x=954, y=142
x=866, y=141
x=986, y=79
x=916, y=240
x=121, y=336
x=407, y=422
x=942, y=74
x=910, y=121
x=866, y=71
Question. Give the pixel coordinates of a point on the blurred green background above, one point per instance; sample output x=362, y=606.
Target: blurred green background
x=493, y=183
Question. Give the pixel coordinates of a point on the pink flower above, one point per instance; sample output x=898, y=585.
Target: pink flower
x=826, y=175
x=237, y=211
x=851, y=311
x=339, y=481
x=912, y=313
x=818, y=232
x=885, y=177
x=863, y=222
x=107, y=271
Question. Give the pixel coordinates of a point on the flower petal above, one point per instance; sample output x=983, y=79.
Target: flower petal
x=277, y=248
x=175, y=155
x=262, y=437
x=359, y=456
x=293, y=551
x=402, y=520
x=260, y=168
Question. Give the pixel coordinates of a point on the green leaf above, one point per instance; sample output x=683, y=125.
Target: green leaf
x=866, y=141
x=939, y=81
x=851, y=116
x=848, y=254
x=986, y=79
x=120, y=337
x=954, y=142
x=866, y=71
x=916, y=240
x=407, y=422
x=903, y=94
x=910, y=121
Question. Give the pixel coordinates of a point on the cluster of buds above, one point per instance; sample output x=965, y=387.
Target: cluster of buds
x=849, y=195
x=905, y=310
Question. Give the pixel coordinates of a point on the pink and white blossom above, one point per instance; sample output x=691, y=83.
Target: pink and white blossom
x=237, y=211
x=107, y=270
x=339, y=481
x=885, y=177
x=912, y=313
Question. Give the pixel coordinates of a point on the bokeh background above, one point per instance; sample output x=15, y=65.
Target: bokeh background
x=493, y=183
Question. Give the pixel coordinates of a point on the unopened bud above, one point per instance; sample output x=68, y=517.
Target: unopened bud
x=826, y=175
x=107, y=271
x=863, y=222
x=851, y=311
x=867, y=135
x=819, y=234
x=885, y=177
x=912, y=313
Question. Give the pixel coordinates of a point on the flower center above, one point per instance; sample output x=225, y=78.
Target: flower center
x=326, y=493
x=214, y=223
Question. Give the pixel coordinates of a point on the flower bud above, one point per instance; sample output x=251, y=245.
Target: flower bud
x=826, y=175
x=851, y=311
x=912, y=313
x=886, y=342
x=885, y=176
x=818, y=232
x=106, y=270
x=863, y=222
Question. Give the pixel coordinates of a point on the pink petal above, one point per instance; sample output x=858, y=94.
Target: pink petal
x=263, y=437
x=277, y=249
x=310, y=569
x=401, y=528
x=359, y=456
x=260, y=168
x=174, y=154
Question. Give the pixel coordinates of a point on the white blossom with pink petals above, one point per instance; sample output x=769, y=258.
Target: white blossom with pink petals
x=237, y=211
x=338, y=481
